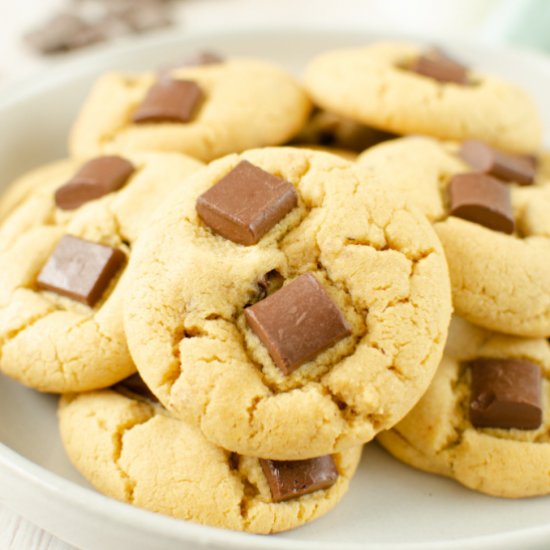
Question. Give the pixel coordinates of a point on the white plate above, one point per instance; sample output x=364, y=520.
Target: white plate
x=389, y=506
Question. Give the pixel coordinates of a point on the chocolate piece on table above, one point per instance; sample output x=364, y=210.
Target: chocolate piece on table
x=134, y=384
x=506, y=393
x=483, y=158
x=246, y=203
x=434, y=63
x=482, y=199
x=80, y=269
x=96, y=178
x=64, y=32
x=297, y=322
x=169, y=100
x=294, y=478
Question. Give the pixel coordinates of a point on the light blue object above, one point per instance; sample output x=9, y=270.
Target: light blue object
x=521, y=22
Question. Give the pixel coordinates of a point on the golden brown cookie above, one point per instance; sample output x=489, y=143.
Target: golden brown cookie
x=439, y=434
x=374, y=258
x=137, y=452
x=242, y=104
x=63, y=279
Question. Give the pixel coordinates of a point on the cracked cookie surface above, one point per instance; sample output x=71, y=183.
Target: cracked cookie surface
x=53, y=343
x=247, y=104
x=377, y=258
x=369, y=85
x=24, y=186
x=499, y=281
x=137, y=452
x=437, y=435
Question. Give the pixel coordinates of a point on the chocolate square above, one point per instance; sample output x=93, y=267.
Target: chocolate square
x=436, y=64
x=506, y=393
x=292, y=479
x=245, y=204
x=96, y=178
x=169, y=100
x=482, y=157
x=297, y=323
x=482, y=199
x=80, y=269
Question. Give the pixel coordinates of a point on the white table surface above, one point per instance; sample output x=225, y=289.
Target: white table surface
x=467, y=18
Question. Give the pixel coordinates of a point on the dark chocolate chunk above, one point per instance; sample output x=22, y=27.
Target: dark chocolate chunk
x=245, y=204
x=434, y=63
x=169, y=100
x=80, y=269
x=482, y=199
x=96, y=178
x=292, y=479
x=506, y=393
x=297, y=323
x=134, y=385
x=483, y=158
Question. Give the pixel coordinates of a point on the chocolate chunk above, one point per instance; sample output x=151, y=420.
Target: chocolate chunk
x=80, y=269
x=169, y=100
x=483, y=158
x=294, y=478
x=434, y=63
x=506, y=393
x=297, y=323
x=269, y=283
x=203, y=58
x=96, y=178
x=134, y=385
x=63, y=32
x=147, y=17
x=482, y=199
x=245, y=204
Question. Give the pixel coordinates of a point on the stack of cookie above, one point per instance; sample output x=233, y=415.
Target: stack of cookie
x=482, y=181
x=228, y=335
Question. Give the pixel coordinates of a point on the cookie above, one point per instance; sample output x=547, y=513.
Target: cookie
x=63, y=253
x=231, y=106
x=500, y=280
x=484, y=419
x=137, y=452
x=24, y=186
x=380, y=86
x=346, y=346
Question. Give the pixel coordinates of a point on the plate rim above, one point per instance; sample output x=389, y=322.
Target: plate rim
x=105, y=508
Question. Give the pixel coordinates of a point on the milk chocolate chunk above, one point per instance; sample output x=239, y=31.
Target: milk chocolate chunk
x=482, y=199
x=245, y=204
x=506, y=393
x=204, y=58
x=80, y=269
x=435, y=64
x=292, y=479
x=483, y=158
x=169, y=100
x=297, y=323
x=96, y=178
